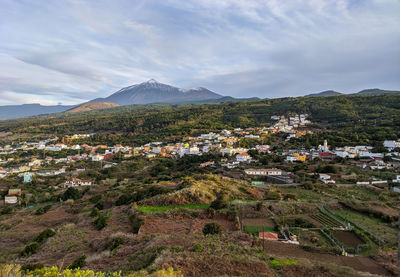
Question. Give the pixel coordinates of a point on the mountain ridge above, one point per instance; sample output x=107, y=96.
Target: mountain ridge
x=154, y=92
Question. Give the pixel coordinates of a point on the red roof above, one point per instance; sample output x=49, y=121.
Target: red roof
x=268, y=236
x=243, y=154
x=326, y=154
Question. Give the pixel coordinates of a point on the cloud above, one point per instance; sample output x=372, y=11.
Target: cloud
x=73, y=51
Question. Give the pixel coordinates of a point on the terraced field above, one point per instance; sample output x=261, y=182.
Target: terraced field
x=326, y=220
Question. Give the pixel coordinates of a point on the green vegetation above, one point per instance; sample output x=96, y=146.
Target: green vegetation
x=78, y=263
x=278, y=263
x=43, y=210
x=256, y=229
x=156, y=209
x=136, y=223
x=356, y=120
x=43, y=236
x=212, y=229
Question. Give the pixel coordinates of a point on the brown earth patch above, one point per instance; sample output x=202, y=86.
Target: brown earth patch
x=267, y=222
x=158, y=225
x=349, y=239
x=363, y=264
x=218, y=266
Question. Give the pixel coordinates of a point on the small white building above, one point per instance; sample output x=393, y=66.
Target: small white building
x=243, y=157
x=264, y=172
x=11, y=200
x=397, y=180
x=97, y=158
x=326, y=179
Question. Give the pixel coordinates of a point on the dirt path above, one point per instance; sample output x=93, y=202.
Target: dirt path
x=363, y=264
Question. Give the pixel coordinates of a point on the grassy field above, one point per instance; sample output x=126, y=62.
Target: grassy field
x=256, y=229
x=156, y=209
x=384, y=230
x=303, y=194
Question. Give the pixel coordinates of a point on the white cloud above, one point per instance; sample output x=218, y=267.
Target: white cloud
x=71, y=51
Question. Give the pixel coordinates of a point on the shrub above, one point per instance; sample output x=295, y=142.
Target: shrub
x=44, y=235
x=259, y=206
x=100, y=222
x=220, y=202
x=115, y=243
x=94, y=212
x=95, y=199
x=30, y=249
x=6, y=210
x=136, y=223
x=78, y=263
x=99, y=205
x=211, y=212
x=71, y=193
x=31, y=267
x=212, y=229
x=124, y=199
x=272, y=195
x=198, y=247
x=43, y=210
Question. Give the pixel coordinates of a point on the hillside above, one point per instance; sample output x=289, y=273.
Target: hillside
x=376, y=91
x=155, y=92
x=324, y=93
x=346, y=118
x=15, y=111
x=92, y=106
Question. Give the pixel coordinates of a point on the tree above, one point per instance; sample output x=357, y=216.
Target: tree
x=100, y=222
x=212, y=229
x=136, y=223
x=220, y=202
x=71, y=193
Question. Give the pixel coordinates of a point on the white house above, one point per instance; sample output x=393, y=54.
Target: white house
x=397, y=180
x=12, y=200
x=325, y=178
x=77, y=183
x=391, y=144
x=97, y=158
x=264, y=172
x=243, y=157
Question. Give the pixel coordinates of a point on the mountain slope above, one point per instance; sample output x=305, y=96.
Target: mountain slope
x=92, y=106
x=155, y=92
x=14, y=111
x=376, y=91
x=324, y=93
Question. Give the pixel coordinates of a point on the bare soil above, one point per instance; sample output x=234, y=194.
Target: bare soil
x=258, y=222
x=349, y=239
x=362, y=264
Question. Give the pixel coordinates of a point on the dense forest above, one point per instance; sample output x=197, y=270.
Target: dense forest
x=343, y=119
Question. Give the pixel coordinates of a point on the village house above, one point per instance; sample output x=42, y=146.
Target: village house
x=77, y=183
x=243, y=157
x=264, y=172
x=27, y=178
x=326, y=179
x=14, y=192
x=207, y=164
x=11, y=200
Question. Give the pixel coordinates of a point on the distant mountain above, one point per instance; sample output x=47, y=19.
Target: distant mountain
x=376, y=91
x=155, y=92
x=92, y=106
x=324, y=93
x=14, y=111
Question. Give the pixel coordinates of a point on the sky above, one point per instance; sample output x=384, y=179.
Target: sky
x=72, y=51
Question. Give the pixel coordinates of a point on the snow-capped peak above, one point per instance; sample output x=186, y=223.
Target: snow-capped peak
x=152, y=81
